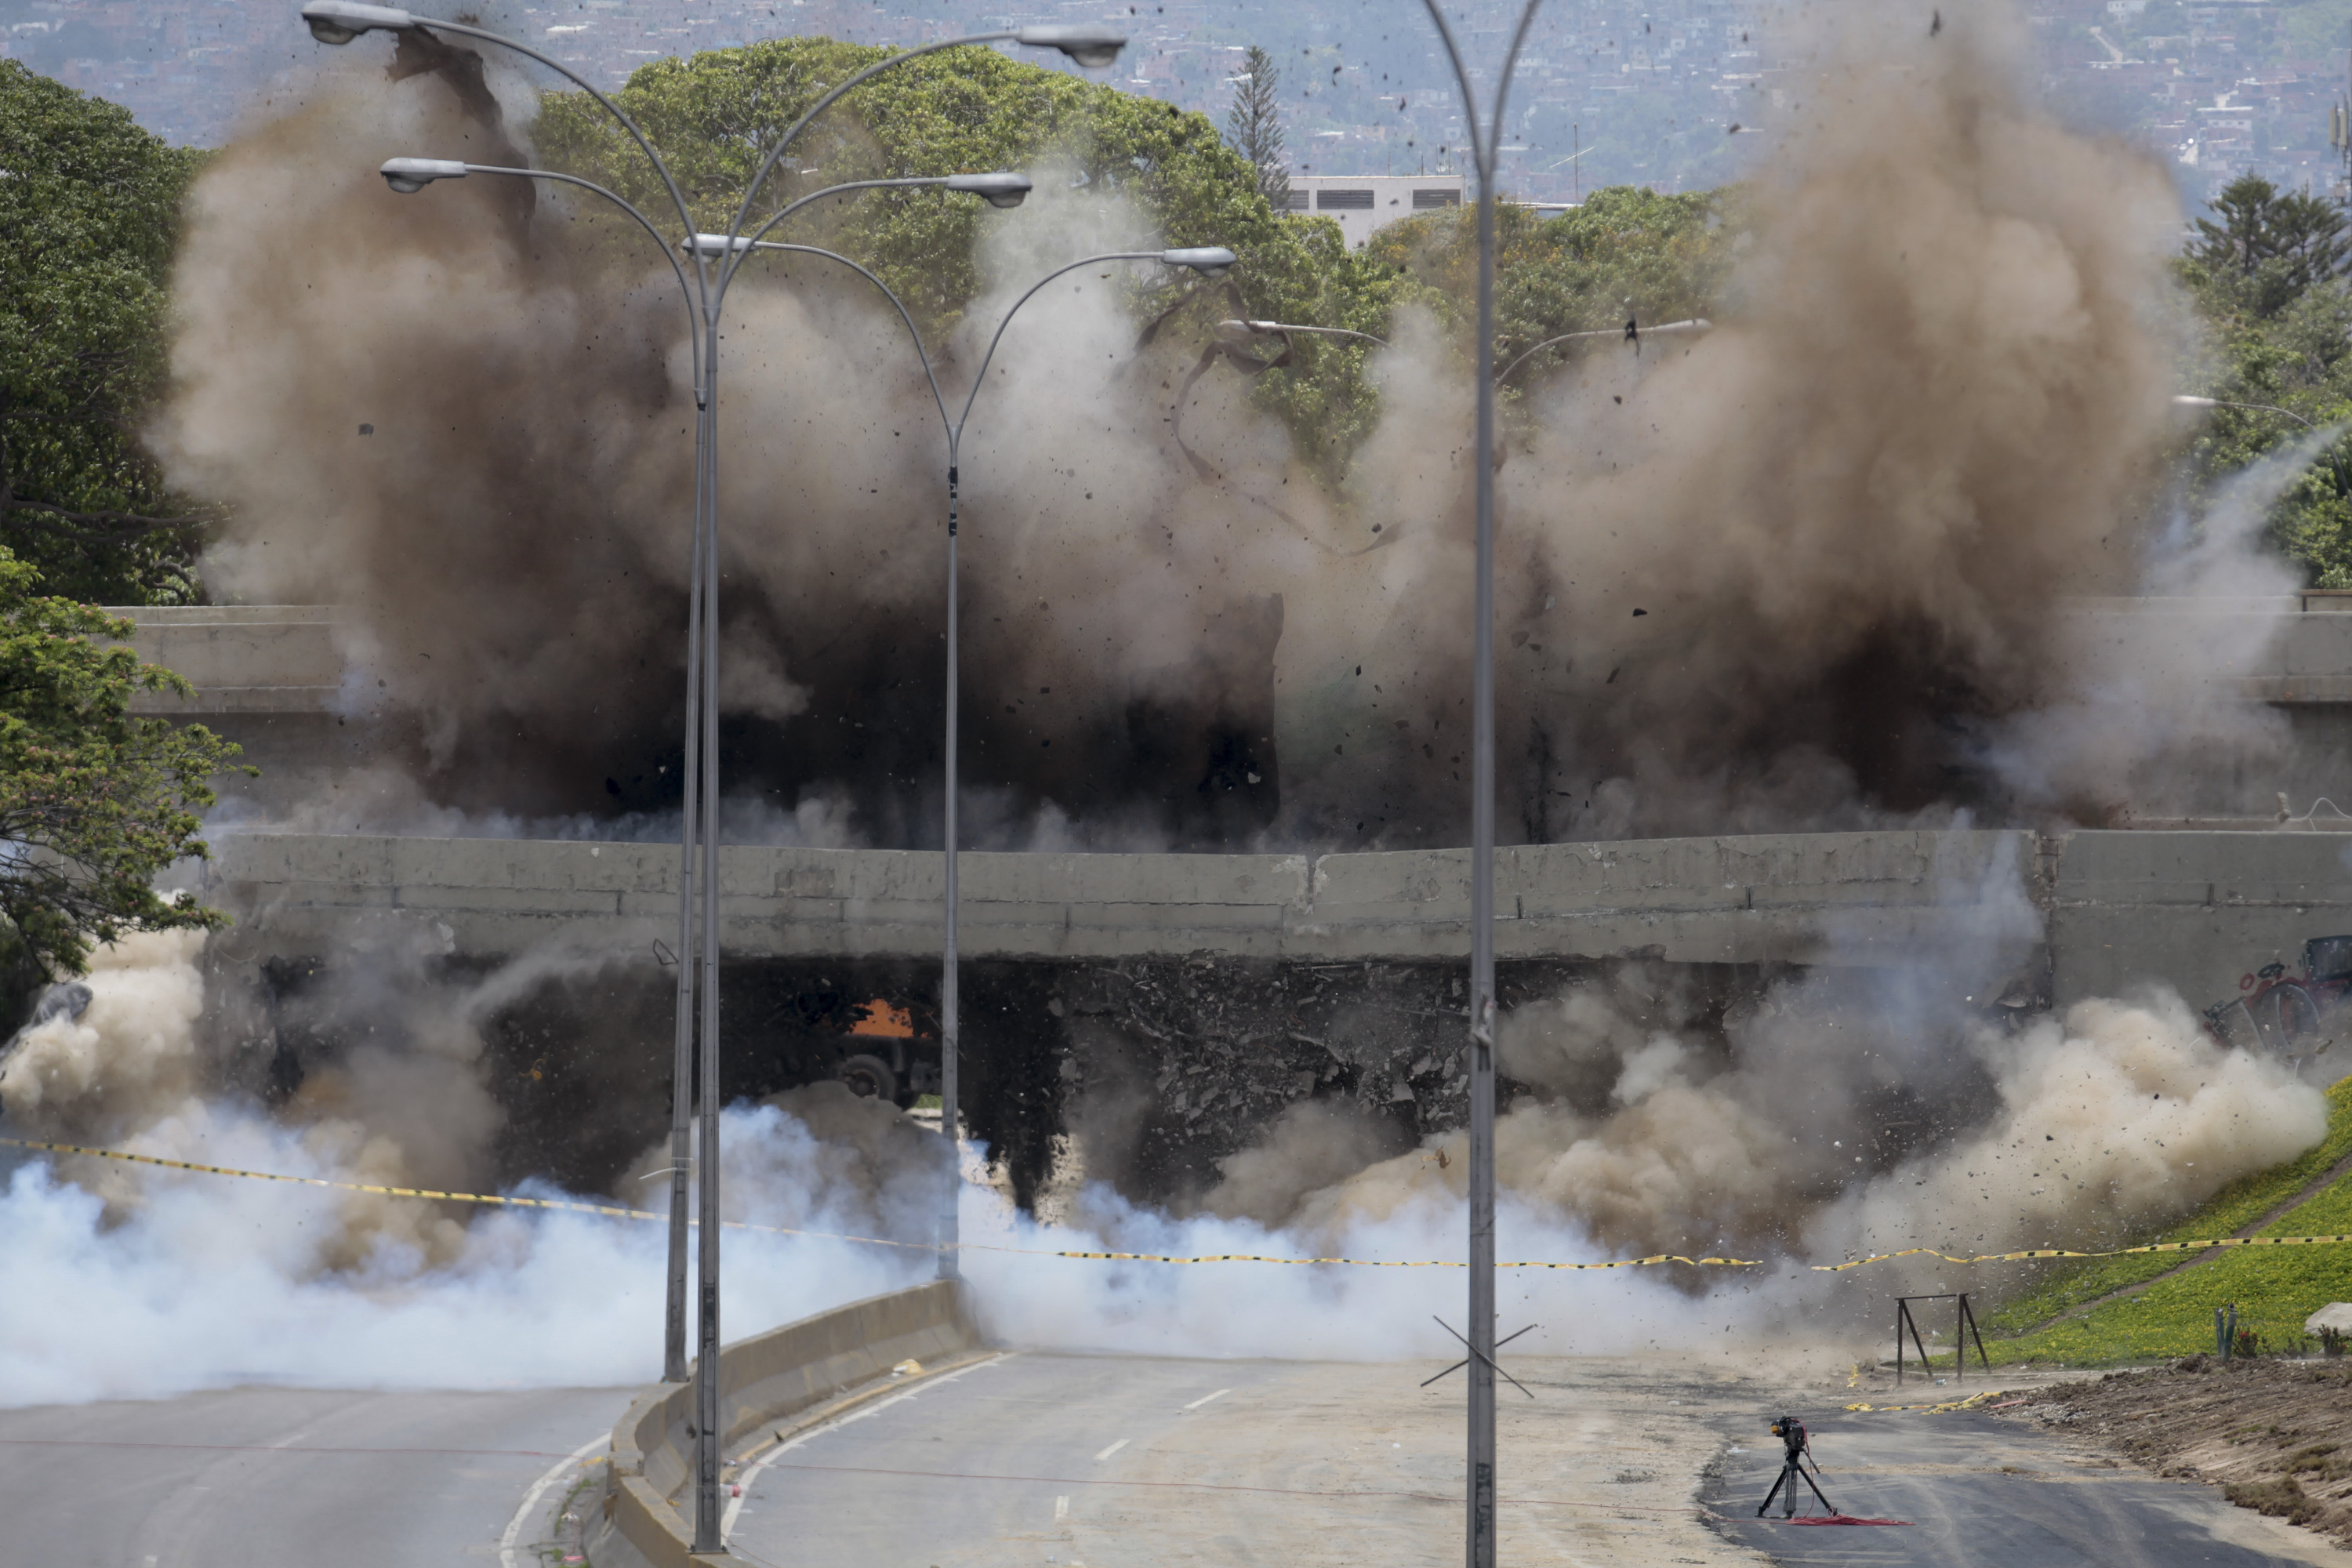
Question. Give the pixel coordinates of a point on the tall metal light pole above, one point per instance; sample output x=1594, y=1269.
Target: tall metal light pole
x=340, y=22
x=1205, y=259
x=408, y=175
x=1486, y=136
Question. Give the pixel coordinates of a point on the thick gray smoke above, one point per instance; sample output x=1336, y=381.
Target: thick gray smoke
x=1806, y=571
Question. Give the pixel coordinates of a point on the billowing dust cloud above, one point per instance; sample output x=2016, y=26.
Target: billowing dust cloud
x=1805, y=1127
x=1803, y=573
x=1806, y=571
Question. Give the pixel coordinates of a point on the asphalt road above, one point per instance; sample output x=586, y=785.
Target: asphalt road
x=1979, y=1490
x=986, y=1465
x=280, y=1477
x=1039, y=1460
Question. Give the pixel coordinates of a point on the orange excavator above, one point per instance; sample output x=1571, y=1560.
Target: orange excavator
x=878, y=1057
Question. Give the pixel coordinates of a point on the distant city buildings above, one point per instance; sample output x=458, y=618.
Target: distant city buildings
x=1360, y=204
x=1655, y=92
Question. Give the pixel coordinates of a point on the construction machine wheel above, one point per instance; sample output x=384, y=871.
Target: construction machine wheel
x=2293, y=1019
x=868, y=1076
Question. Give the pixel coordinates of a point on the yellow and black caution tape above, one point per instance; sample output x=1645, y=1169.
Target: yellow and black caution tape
x=1403, y=1263
x=1972, y=1401
x=614, y=1212
x=2062, y=1252
x=608, y=1210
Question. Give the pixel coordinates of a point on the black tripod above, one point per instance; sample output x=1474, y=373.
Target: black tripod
x=1791, y=1432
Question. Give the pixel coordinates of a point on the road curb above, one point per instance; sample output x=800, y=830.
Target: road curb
x=786, y=1371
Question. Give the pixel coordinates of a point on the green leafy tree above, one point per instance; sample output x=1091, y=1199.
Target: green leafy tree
x=89, y=214
x=2299, y=360
x=1627, y=254
x=714, y=115
x=2264, y=282
x=1253, y=126
x=95, y=801
x=2271, y=245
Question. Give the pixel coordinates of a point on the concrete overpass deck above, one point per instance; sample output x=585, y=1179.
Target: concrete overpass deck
x=2104, y=911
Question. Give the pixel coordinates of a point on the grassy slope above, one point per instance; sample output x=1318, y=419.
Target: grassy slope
x=2273, y=1290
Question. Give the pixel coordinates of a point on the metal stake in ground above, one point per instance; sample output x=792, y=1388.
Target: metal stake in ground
x=1964, y=1328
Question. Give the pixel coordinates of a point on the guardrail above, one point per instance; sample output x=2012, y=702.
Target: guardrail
x=766, y=1378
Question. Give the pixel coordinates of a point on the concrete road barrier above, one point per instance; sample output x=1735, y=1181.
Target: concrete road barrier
x=767, y=1378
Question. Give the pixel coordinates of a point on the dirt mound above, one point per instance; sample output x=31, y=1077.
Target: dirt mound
x=2274, y=1436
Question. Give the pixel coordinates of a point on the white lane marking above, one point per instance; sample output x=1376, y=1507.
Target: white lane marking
x=538, y=1489
x=1113, y=1448
x=1206, y=1397
x=743, y=1481
x=1061, y=1508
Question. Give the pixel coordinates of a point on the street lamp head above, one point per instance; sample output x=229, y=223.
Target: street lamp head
x=1000, y=189
x=715, y=244
x=1087, y=46
x=2184, y=401
x=1205, y=259
x=408, y=175
x=340, y=21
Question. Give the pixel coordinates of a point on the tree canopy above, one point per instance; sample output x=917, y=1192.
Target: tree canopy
x=2267, y=288
x=714, y=115
x=95, y=802
x=2271, y=245
x=89, y=216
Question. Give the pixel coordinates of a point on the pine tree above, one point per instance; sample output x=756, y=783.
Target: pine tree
x=1254, y=126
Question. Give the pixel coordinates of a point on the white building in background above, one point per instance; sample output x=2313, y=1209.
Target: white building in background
x=1363, y=202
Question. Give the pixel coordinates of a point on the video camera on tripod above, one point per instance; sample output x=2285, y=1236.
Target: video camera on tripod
x=1798, y=1448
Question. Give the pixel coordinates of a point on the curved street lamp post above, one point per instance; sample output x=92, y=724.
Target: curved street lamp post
x=341, y=22
x=1698, y=327
x=2186, y=401
x=1204, y=259
x=1486, y=138
x=1241, y=332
